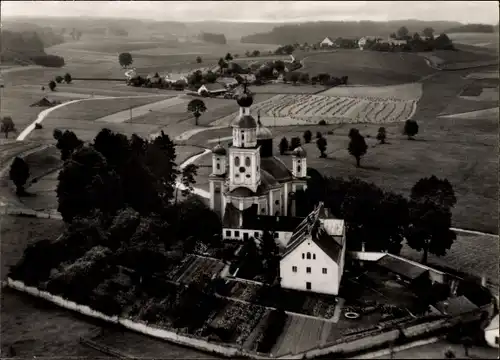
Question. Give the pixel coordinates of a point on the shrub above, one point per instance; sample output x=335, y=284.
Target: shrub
x=52, y=85
x=67, y=78
x=319, y=135
x=283, y=145
x=48, y=60
x=410, y=129
x=38, y=126
x=294, y=143
x=322, y=122
x=59, y=79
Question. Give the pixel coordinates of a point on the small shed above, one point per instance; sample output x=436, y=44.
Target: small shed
x=408, y=271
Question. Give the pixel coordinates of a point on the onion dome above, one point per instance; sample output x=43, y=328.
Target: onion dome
x=245, y=100
x=219, y=150
x=245, y=122
x=299, y=152
x=264, y=133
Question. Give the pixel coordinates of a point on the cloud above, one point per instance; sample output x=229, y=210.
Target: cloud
x=463, y=11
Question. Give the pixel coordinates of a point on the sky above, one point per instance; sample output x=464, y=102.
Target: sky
x=485, y=12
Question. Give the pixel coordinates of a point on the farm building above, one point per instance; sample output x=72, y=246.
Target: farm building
x=212, y=89
x=173, y=78
x=362, y=41
x=314, y=258
x=491, y=333
x=250, y=175
x=326, y=42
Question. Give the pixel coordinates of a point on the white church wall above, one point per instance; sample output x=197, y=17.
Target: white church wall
x=320, y=283
x=281, y=237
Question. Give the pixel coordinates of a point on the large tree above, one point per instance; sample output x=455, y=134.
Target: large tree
x=196, y=107
x=19, y=174
x=228, y=57
x=7, y=126
x=428, y=32
x=403, y=32
x=429, y=229
x=438, y=191
x=321, y=144
x=410, y=129
x=283, y=145
x=125, y=59
x=357, y=146
x=381, y=135
x=67, y=143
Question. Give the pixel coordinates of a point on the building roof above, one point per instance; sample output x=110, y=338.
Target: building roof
x=493, y=324
x=299, y=152
x=219, y=150
x=227, y=80
x=213, y=87
x=400, y=267
x=276, y=168
x=311, y=229
x=245, y=122
x=456, y=306
x=264, y=133
x=175, y=77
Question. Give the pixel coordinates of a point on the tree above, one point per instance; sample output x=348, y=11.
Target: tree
x=381, y=135
x=188, y=176
x=279, y=66
x=321, y=144
x=357, y=146
x=428, y=32
x=269, y=255
x=52, y=85
x=429, y=229
x=307, y=136
x=393, y=36
x=196, y=107
x=410, y=129
x=210, y=77
x=228, y=57
x=7, y=126
x=403, y=32
x=19, y=174
x=256, y=53
x=67, y=78
x=59, y=79
x=283, y=146
x=294, y=143
x=198, y=60
x=222, y=65
x=57, y=134
x=67, y=143
x=304, y=78
x=125, y=59
x=438, y=191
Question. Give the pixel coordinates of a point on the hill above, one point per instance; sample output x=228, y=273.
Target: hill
x=473, y=28
x=231, y=30
x=313, y=32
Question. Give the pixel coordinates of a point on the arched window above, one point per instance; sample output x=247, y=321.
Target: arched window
x=314, y=256
x=308, y=255
x=248, y=161
x=298, y=169
x=218, y=166
x=276, y=202
x=303, y=256
x=237, y=161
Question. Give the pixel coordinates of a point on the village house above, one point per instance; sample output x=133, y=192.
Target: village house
x=362, y=41
x=326, y=42
x=172, y=78
x=212, y=89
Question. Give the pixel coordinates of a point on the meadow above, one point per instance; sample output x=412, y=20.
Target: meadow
x=368, y=67
x=483, y=40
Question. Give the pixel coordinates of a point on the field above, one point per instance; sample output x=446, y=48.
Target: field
x=476, y=39
x=368, y=67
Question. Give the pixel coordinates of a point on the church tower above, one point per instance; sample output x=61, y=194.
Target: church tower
x=244, y=154
x=299, y=163
x=217, y=179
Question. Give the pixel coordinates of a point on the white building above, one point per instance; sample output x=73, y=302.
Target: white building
x=314, y=257
x=249, y=178
x=491, y=333
x=212, y=89
x=362, y=41
x=327, y=42
x=173, y=78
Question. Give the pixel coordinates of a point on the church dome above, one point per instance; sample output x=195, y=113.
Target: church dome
x=299, y=152
x=219, y=150
x=245, y=100
x=264, y=133
x=245, y=122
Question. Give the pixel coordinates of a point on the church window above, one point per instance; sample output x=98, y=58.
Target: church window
x=324, y=270
x=303, y=256
x=263, y=210
x=294, y=268
x=276, y=235
x=298, y=162
x=308, y=255
x=248, y=176
x=308, y=270
x=218, y=166
x=247, y=161
x=237, y=161
x=298, y=168
x=314, y=256
x=228, y=232
x=277, y=202
x=237, y=233
x=242, y=169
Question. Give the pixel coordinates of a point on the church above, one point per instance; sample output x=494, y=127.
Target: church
x=253, y=191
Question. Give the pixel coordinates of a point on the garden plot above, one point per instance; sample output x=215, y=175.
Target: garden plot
x=412, y=91
x=197, y=265
x=300, y=334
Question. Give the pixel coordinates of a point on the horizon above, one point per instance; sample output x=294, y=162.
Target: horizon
x=471, y=12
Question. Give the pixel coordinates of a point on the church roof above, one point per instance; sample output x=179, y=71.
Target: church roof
x=276, y=168
x=245, y=122
x=267, y=182
x=264, y=133
x=219, y=150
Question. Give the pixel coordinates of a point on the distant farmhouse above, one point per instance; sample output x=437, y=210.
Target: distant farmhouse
x=326, y=42
x=362, y=41
x=212, y=89
x=173, y=78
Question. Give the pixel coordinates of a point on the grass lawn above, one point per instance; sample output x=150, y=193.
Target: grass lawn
x=369, y=67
